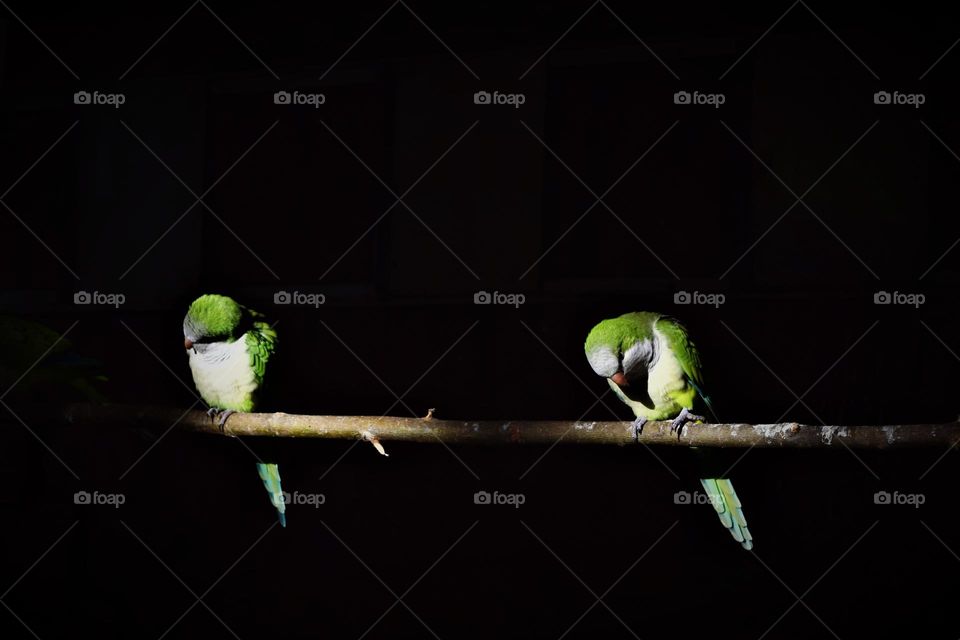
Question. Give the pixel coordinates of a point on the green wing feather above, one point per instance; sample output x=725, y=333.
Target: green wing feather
x=261, y=343
x=686, y=353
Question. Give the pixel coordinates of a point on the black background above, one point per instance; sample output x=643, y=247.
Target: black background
x=294, y=199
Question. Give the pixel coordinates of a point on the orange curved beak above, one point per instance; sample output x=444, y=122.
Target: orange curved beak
x=619, y=379
x=187, y=344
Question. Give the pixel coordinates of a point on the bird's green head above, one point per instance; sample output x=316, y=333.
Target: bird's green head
x=622, y=347
x=211, y=318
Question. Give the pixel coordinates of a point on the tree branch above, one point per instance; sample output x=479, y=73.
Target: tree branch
x=496, y=432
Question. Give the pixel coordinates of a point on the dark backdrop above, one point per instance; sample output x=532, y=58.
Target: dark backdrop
x=494, y=198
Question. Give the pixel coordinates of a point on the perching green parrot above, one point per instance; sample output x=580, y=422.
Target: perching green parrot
x=38, y=364
x=229, y=346
x=652, y=365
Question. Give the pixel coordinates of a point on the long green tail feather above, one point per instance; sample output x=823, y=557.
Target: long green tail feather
x=270, y=474
x=724, y=499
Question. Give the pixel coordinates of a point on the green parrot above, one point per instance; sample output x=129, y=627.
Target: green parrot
x=37, y=363
x=229, y=346
x=652, y=365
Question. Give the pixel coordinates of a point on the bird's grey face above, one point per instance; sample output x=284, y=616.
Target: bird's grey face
x=193, y=335
x=604, y=361
x=621, y=368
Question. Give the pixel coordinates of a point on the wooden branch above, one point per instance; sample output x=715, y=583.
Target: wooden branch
x=488, y=432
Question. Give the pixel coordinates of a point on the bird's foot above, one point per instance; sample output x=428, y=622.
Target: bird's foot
x=685, y=416
x=220, y=415
x=638, y=428
x=223, y=418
